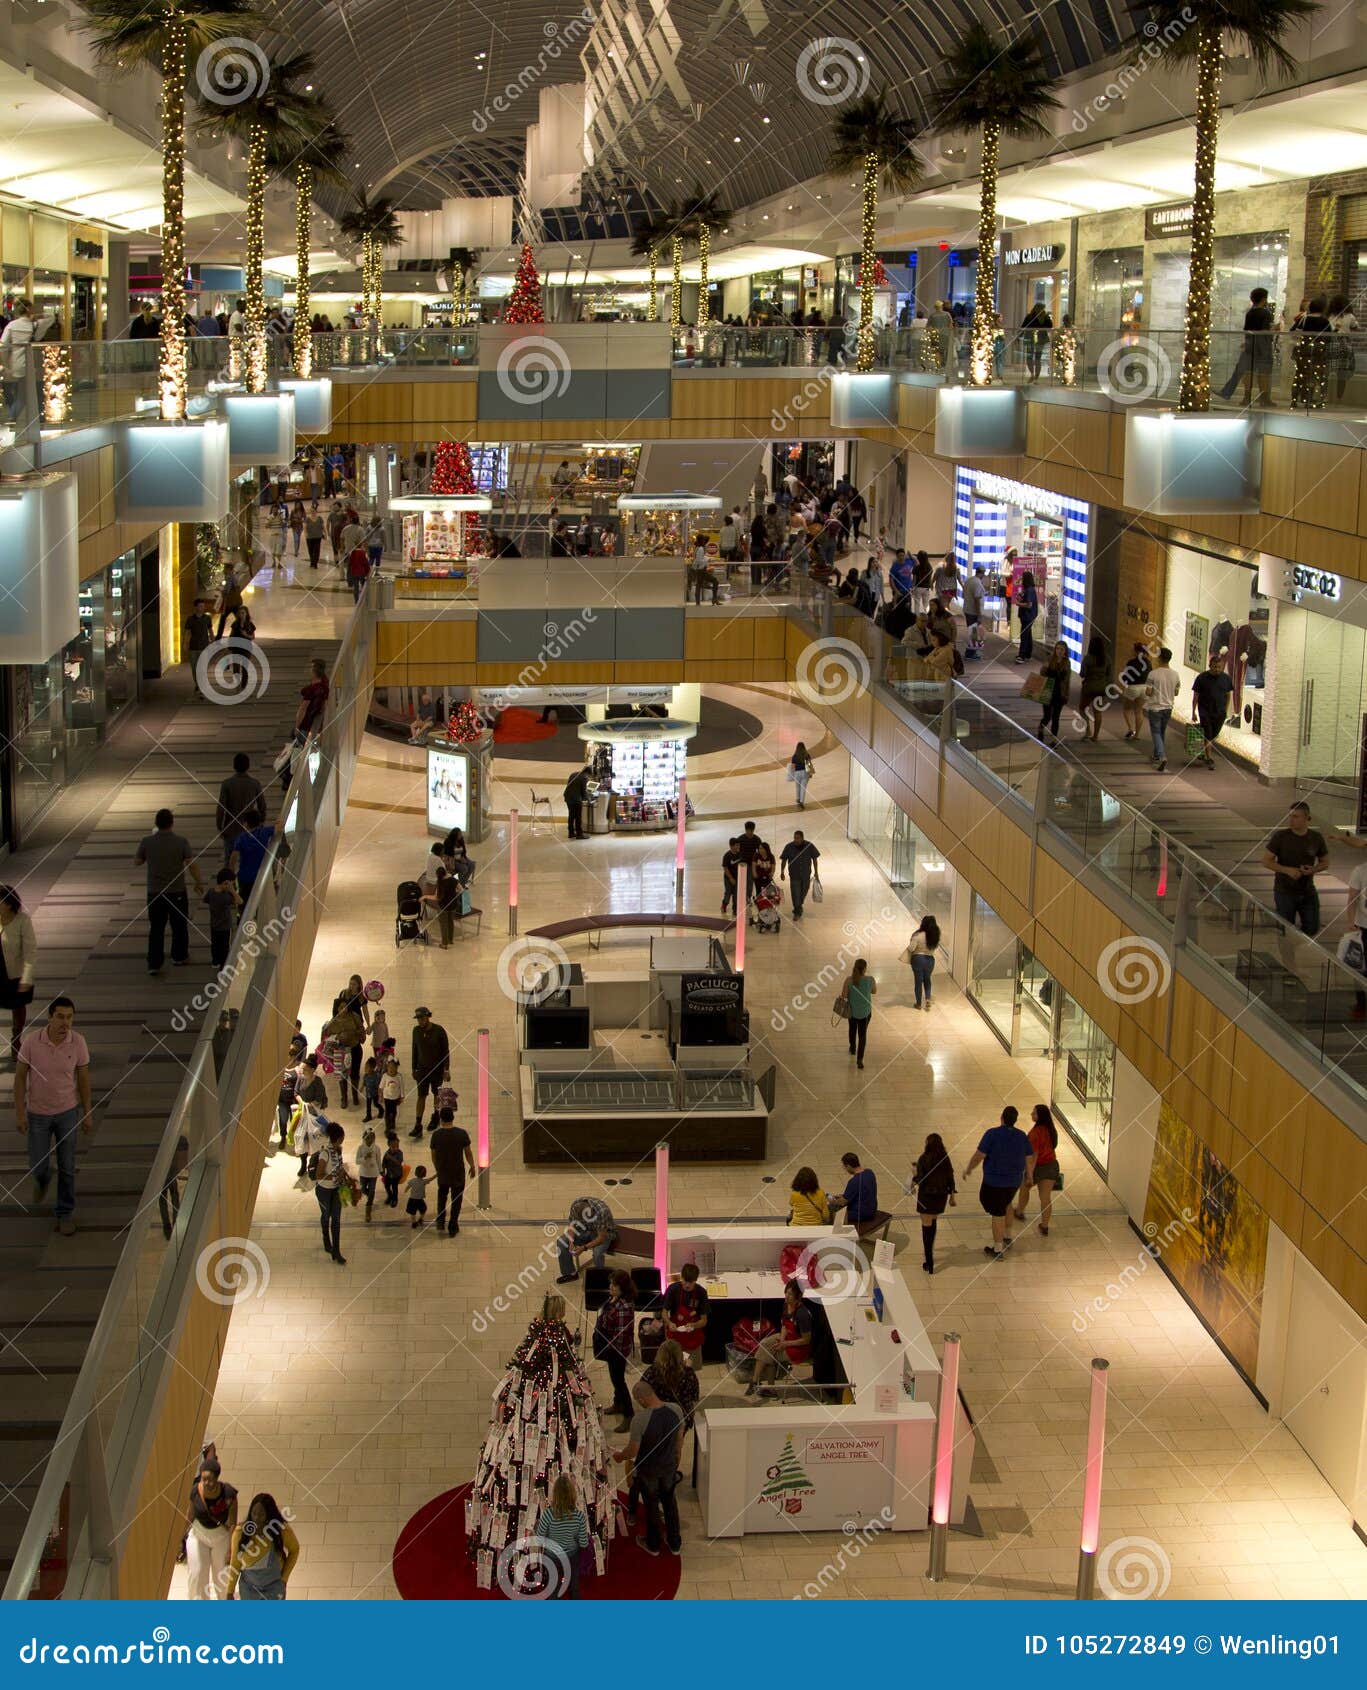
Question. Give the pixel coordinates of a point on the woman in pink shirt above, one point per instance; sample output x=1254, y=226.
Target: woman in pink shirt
x=52, y=1101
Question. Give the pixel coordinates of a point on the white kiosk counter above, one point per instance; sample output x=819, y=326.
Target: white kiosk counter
x=802, y=1464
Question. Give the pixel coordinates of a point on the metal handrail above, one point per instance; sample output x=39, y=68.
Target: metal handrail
x=207, y=1106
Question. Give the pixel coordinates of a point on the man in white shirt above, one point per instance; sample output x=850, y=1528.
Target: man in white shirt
x=237, y=319
x=1158, y=701
x=14, y=356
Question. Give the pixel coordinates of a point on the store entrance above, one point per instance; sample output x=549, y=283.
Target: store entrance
x=1330, y=656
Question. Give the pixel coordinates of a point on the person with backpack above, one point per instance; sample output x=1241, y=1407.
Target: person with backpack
x=652, y=1449
x=920, y=953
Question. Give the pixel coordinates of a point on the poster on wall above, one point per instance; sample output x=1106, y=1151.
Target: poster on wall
x=814, y=1481
x=1210, y=1235
x=448, y=788
x=1197, y=638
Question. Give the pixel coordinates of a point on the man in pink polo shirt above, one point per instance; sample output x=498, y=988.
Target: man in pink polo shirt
x=52, y=1101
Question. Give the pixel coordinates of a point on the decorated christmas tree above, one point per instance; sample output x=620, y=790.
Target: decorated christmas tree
x=785, y=1483
x=544, y=1423
x=880, y=275
x=453, y=472
x=465, y=724
x=524, y=303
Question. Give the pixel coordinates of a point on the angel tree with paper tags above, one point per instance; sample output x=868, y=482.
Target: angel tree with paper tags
x=545, y=1423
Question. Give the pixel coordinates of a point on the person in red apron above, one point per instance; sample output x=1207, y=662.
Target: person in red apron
x=686, y=1313
x=792, y=1341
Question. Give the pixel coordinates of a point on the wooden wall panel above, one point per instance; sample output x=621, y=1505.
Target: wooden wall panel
x=1327, y=484
x=1279, y=476
x=710, y=639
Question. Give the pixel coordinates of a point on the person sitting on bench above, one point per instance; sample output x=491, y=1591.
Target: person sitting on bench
x=591, y=1227
x=860, y=1201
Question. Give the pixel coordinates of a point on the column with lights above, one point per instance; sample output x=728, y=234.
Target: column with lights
x=981, y=336
x=868, y=239
x=704, y=256
x=676, y=290
x=1194, y=392
x=302, y=345
x=171, y=376
x=254, y=289
x=653, y=304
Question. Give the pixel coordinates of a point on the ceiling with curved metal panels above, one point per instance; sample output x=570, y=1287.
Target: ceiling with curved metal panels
x=736, y=94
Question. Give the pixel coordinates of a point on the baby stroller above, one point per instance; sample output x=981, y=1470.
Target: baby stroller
x=408, y=922
x=764, y=906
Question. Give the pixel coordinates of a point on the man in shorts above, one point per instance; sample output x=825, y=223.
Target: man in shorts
x=1007, y=1160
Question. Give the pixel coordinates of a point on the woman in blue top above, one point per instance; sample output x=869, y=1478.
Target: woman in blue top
x=265, y=1552
x=859, y=993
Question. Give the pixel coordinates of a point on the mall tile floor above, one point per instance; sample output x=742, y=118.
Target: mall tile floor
x=356, y=1394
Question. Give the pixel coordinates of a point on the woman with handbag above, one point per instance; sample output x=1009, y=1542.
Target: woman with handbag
x=18, y=962
x=800, y=771
x=209, y=1529
x=932, y=1179
x=807, y=1204
x=614, y=1338
x=920, y=953
x=1058, y=680
x=330, y=1175
x=1026, y=601
x=858, y=996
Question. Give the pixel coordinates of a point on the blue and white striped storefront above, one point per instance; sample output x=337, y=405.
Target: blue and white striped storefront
x=984, y=506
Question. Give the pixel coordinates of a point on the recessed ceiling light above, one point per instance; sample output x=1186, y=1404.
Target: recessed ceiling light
x=764, y=120
x=736, y=139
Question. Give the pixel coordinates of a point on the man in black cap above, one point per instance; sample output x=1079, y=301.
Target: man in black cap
x=431, y=1064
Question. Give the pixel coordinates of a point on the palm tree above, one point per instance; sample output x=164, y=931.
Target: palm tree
x=997, y=87
x=705, y=213
x=172, y=38
x=867, y=136
x=375, y=225
x=464, y=258
x=1199, y=30
x=646, y=243
x=274, y=120
x=319, y=160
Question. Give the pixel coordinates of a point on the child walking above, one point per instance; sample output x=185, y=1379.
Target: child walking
x=370, y=1085
x=379, y=1036
x=391, y=1170
x=368, y=1163
x=223, y=903
x=391, y=1093
x=417, y=1196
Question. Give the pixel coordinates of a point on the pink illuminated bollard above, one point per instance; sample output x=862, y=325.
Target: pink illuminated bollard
x=742, y=897
x=1091, y=1493
x=679, y=843
x=482, y=1117
x=1162, y=868
x=944, y=1457
x=512, y=873
x=662, y=1211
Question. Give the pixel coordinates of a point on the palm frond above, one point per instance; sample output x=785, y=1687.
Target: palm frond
x=130, y=32
x=367, y=219
x=1259, y=27
x=654, y=233
x=868, y=127
x=990, y=79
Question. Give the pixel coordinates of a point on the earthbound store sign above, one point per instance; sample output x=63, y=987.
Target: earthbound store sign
x=1163, y=220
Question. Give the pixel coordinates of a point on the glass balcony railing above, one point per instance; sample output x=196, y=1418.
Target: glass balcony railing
x=1298, y=983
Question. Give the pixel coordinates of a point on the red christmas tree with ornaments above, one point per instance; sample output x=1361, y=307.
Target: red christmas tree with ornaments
x=524, y=303
x=453, y=472
x=880, y=275
x=465, y=725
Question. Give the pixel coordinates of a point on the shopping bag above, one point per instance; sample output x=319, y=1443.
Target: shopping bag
x=1037, y=686
x=841, y=1008
x=1196, y=740
x=818, y=893
x=1350, y=953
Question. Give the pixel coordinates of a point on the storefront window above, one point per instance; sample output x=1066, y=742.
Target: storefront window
x=1323, y=660
x=1242, y=262
x=1084, y=1079
x=1050, y=535
x=1115, y=296
x=49, y=296
x=39, y=739
x=1213, y=605
x=917, y=871
x=120, y=635
x=1009, y=984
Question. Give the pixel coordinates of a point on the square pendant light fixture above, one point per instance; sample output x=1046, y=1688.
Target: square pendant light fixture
x=260, y=428
x=39, y=567
x=863, y=400
x=1190, y=463
x=171, y=471
x=312, y=402
x=979, y=422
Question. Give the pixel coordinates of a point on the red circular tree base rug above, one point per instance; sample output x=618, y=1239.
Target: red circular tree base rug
x=518, y=727
x=431, y=1565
